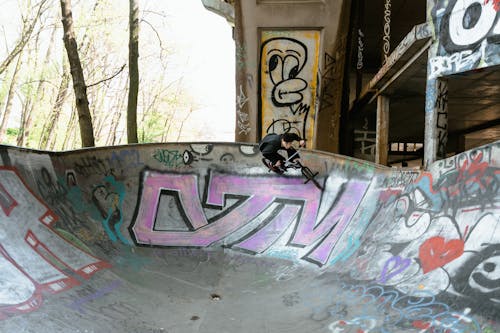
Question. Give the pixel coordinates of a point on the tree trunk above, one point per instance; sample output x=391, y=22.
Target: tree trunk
x=82, y=103
x=111, y=139
x=25, y=112
x=69, y=131
x=10, y=98
x=48, y=138
x=39, y=93
x=133, y=71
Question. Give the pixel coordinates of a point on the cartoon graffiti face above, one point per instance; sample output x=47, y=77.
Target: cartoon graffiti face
x=486, y=276
x=285, y=58
x=479, y=276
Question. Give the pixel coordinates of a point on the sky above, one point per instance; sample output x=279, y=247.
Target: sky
x=204, y=57
x=205, y=54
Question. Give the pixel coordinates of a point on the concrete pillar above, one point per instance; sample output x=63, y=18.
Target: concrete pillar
x=436, y=121
x=382, y=139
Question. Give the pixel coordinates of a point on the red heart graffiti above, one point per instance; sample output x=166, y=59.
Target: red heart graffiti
x=436, y=252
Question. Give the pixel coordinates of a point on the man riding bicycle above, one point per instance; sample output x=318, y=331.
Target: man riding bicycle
x=271, y=143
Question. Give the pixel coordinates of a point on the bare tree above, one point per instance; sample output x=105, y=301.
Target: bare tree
x=27, y=31
x=133, y=71
x=82, y=103
x=10, y=98
x=48, y=138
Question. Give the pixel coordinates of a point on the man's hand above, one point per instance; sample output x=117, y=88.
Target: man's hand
x=302, y=143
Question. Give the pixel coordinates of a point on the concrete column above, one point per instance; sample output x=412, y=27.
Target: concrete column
x=382, y=139
x=436, y=121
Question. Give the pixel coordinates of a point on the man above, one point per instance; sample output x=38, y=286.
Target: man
x=271, y=143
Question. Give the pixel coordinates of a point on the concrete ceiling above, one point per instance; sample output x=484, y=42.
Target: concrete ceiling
x=473, y=97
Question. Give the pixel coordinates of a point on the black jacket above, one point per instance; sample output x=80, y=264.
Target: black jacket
x=271, y=143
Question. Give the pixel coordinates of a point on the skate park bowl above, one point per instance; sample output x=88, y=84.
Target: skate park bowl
x=201, y=237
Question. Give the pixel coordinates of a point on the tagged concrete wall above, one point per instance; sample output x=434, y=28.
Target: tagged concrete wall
x=422, y=244
x=467, y=34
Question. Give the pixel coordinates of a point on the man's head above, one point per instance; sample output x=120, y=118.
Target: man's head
x=287, y=139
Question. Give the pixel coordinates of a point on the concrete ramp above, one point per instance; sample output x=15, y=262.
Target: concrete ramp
x=201, y=237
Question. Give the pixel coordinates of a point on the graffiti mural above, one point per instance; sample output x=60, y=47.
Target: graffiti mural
x=468, y=34
x=34, y=258
x=288, y=72
x=287, y=203
x=440, y=235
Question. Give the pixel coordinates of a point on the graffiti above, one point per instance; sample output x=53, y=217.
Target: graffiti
x=400, y=178
x=496, y=4
x=457, y=62
x=441, y=109
x=34, y=258
x=77, y=304
x=171, y=159
x=437, y=234
x=352, y=246
x=108, y=199
x=355, y=167
x=423, y=246
x=125, y=160
x=243, y=119
x=287, y=80
x=467, y=23
x=386, y=46
x=328, y=77
x=284, y=126
x=88, y=166
x=393, y=309
x=393, y=267
x=249, y=209
x=395, y=55
x=361, y=47
x=59, y=196
x=364, y=324
x=469, y=32
x=196, y=153
x=436, y=252
x=7, y=202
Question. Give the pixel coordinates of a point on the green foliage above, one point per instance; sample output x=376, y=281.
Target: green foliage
x=12, y=132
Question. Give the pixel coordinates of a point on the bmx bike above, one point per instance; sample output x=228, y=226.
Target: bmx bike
x=288, y=164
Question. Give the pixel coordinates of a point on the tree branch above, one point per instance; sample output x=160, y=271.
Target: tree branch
x=107, y=79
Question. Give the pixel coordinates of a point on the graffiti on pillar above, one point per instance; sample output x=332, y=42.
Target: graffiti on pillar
x=327, y=90
x=441, y=109
x=288, y=85
x=243, y=119
x=361, y=48
x=34, y=259
x=468, y=36
x=386, y=45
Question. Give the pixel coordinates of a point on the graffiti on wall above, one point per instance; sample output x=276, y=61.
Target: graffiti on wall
x=468, y=34
x=288, y=72
x=34, y=259
x=434, y=232
x=251, y=213
x=438, y=235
